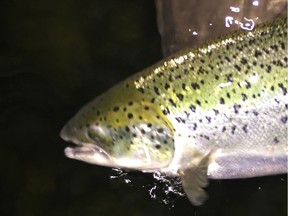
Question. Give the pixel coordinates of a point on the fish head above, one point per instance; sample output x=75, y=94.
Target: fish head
x=115, y=132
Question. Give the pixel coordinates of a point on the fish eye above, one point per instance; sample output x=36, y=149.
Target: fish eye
x=97, y=134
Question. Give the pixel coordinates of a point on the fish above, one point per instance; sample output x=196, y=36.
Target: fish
x=214, y=111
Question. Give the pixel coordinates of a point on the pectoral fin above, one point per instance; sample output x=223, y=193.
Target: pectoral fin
x=194, y=179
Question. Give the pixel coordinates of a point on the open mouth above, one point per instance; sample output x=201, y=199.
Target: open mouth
x=89, y=153
x=87, y=149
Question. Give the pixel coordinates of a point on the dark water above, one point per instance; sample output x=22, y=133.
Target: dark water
x=55, y=55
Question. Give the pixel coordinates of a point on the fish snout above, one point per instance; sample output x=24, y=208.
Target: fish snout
x=68, y=132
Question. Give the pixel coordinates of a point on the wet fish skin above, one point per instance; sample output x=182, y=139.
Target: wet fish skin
x=219, y=108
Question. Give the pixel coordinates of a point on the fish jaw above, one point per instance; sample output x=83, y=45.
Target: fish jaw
x=90, y=154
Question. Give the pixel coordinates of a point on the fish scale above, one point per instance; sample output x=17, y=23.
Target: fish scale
x=218, y=110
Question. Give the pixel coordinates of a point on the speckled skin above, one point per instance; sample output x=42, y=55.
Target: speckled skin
x=228, y=96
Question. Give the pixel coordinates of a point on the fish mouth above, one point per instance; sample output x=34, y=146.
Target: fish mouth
x=87, y=149
x=89, y=153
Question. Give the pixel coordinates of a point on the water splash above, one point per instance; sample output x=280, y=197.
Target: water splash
x=119, y=173
x=164, y=189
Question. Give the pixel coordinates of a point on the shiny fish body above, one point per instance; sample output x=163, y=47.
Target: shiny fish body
x=222, y=105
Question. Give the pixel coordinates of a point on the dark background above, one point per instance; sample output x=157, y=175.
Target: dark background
x=55, y=55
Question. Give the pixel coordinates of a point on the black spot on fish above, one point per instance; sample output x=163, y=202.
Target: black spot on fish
x=167, y=86
x=205, y=136
x=276, y=140
x=146, y=107
x=244, y=97
x=228, y=95
x=202, y=82
x=183, y=86
x=157, y=146
x=216, y=111
x=216, y=77
x=115, y=109
x=245, y=128
x=185, y=71
x=166, y=111
x=222, y=101
x=244, y=61
x=156, y=90
x=274, y=47
x=284, y=90
x=198, y=102
x=130, y=103
x=141, y=90
x=268, y=68
x=248, y=84
x=130, y=115
x=284, y=119
x=194, y=126
x=239, y=48
x=180, y=96
x=227, y=59
x=282, y=45
x=255, y=113
x=160, y=130
x=223, y=129
x=208, y=119
x=233, y=129
x=149, y=125
x=238, y=68
x=160, y=74
x=192, y=108
x=262, y=65
x=172, y=102
x=229, y=77
x=127, y=129
x=195, y=86
x=257, y=53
